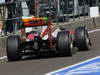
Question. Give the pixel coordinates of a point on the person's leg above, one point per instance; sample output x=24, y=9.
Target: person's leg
x=0, y=27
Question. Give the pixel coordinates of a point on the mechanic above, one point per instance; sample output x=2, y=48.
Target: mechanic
x=3, y=16
x=9, y=23
x=31, y=6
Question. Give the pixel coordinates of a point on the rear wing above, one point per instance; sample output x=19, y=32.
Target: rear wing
x=34, y=21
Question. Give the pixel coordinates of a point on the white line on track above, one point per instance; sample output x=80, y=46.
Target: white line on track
x=89, y=32
x=72, y=65
x=94, y=30
x=3, y=57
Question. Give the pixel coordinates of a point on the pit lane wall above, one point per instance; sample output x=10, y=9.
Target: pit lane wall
x=90, y=23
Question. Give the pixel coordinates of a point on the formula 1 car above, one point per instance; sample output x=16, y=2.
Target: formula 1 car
x=42, y=40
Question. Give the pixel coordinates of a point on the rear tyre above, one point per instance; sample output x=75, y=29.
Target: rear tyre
x=82, y=38
x=64, y=44
x=12, y=48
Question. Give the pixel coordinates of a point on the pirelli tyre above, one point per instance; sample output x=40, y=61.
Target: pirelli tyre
x=82, y=39
x=64, y=44
x=12, y=48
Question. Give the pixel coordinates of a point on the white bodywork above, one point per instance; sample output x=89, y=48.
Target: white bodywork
x=54, y=34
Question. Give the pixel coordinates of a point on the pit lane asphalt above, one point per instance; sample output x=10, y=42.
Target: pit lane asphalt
x=45, y=65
